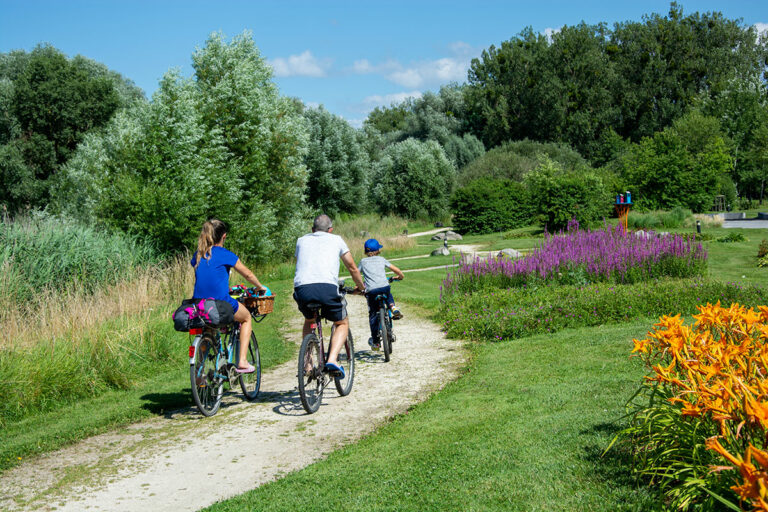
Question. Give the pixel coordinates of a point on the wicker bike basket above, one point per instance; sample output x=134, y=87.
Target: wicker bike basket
x=261, y=305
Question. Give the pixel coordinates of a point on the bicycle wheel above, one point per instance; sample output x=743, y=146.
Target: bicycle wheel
x=386, y=347
x=207, y=388
x=250, y=383
x=310, y=373
x=390, y=332
x=347, y=360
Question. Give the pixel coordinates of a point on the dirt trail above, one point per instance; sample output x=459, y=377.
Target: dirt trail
x=184, y=462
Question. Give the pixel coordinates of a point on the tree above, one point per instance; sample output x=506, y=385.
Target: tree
x=47, y=104
x=490, y=205
x=413, y=179
x=223, y=143
x=680, y=166
x=559, y=195
x=337, y=164
x=513, y=160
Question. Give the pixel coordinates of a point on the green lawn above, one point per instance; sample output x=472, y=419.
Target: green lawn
x=523, y=429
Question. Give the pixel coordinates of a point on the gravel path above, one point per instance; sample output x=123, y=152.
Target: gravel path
x=184, y=462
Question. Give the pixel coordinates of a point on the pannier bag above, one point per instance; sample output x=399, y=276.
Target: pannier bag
x=195, y=313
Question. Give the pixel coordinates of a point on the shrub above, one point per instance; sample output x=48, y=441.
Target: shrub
x=560, y=195
x=486, y=206
x=413, y=179
x=494, y=314
x=513, y=160
x=731, y=238
x=762, y=250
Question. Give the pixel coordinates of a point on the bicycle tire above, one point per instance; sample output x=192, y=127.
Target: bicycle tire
x=207, y=389
x=310, y=373
x=347, y=360
x=384, y=333
x=250, y=383
x=390, y=333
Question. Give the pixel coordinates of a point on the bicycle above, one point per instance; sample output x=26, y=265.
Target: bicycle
x=312, y=357
x=386, y=334
x=213, y=353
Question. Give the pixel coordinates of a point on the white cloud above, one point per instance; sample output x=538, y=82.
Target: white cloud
x=387, y=99
x=762, y=29
x=304, y=64
x=549, y=32
x=423, y=73
x=356, y=123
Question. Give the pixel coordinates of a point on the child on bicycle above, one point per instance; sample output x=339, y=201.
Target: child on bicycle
x=212, y=280
x=374, y=267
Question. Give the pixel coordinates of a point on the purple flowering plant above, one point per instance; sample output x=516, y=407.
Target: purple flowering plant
x=580, y=257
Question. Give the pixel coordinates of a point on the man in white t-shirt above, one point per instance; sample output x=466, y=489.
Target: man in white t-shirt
x=317, y=280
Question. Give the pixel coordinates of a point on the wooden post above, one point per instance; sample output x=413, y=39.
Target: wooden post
x=622, y=211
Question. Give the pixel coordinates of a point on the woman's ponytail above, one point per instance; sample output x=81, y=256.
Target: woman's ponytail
x=211, y=234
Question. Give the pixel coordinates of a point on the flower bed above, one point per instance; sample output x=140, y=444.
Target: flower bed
x=585, y=256
x=705, y=442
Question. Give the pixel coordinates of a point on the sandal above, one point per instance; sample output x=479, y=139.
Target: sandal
x=249, y=369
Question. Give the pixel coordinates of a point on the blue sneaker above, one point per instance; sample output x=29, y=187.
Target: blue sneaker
x=335, y=370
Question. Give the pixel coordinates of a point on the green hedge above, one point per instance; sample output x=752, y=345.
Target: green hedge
x=488, y=205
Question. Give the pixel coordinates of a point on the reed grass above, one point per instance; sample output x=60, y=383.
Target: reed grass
x=675, y=218
x=38, y=251
x=389, y=230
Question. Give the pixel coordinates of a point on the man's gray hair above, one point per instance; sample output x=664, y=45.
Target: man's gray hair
x=322, y=223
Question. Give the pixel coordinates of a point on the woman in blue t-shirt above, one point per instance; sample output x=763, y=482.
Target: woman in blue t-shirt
x=212, y=280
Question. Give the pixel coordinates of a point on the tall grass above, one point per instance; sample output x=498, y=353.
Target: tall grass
x=389, y=230
x=38, y=251
x=65, y=345
x=675, y=218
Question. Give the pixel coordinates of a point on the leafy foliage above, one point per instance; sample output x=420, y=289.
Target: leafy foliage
x=337, y=164
x=413, y=179
x=223, y=144
x=680, y=166
x=487, y=205
x=492, y=313
x=513, y=160
x=561, y=195
x=47, y=104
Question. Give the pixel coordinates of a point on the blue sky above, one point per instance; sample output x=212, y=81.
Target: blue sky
x=348, y=56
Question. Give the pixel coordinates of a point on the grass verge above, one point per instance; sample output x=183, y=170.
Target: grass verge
x=523, y=429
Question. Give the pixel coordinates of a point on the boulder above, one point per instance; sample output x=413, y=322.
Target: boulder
x=447, y=235
x=510, y=253
x=441, y=251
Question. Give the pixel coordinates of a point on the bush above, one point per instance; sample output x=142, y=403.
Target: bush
x=560, y=195
x=495, y=314
x=487, y=206
x=513, y=160
x=732, y=238
x=762, y=250
x=413, y=179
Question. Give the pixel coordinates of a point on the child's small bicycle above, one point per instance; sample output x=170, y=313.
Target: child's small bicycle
x=213, y=353
x=386, y=334
x=312, y=357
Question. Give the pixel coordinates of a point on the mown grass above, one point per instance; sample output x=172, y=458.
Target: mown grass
x=523, y=429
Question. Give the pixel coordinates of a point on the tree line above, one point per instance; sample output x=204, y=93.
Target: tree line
x=673, y=107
